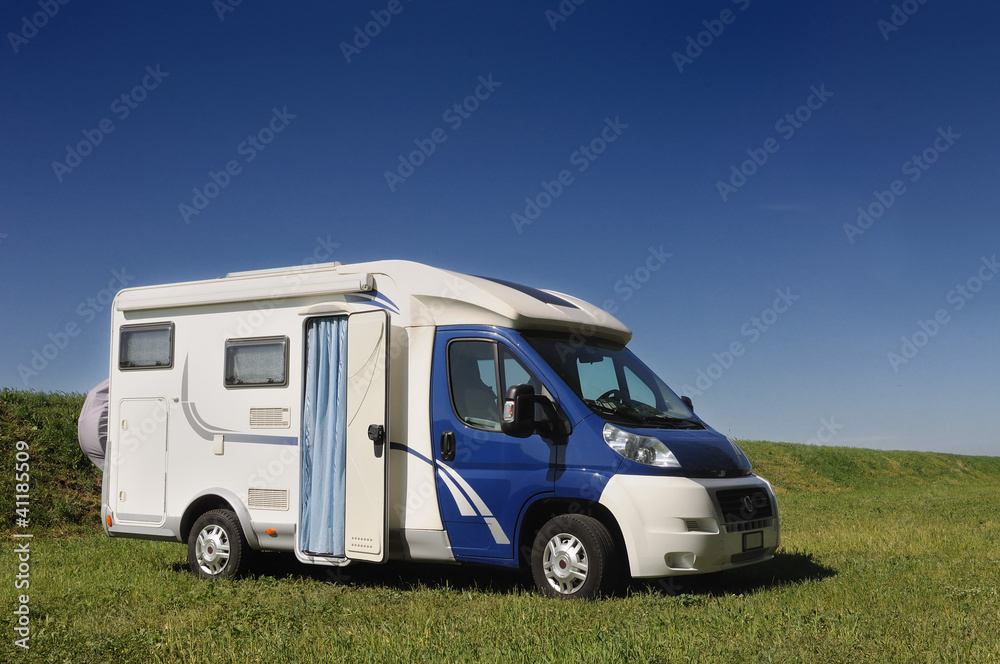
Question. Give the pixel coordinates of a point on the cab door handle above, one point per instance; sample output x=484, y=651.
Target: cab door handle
x=448, y=446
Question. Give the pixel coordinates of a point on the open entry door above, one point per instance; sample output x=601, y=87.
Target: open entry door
x=367, y=435
x=345, y=443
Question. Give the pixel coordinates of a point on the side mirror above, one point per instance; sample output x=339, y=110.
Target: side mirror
x=518, y=416
x=687, y=402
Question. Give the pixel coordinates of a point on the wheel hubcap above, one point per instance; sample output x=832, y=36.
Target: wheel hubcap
x=212, y=550
x=565, y=563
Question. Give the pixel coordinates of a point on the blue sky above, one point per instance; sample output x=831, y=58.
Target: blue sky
x=698, y=167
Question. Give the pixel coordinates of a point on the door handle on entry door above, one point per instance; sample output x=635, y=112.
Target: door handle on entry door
x=448, y=446
x=376, y=434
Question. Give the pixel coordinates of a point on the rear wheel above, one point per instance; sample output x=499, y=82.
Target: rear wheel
x=574, y=556
x=217, y=547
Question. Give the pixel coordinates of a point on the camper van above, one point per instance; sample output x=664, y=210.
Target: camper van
x=395, y=411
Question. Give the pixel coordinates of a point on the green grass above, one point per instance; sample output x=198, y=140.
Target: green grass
x=65, y=486
x=886, y=557
x=791, y=467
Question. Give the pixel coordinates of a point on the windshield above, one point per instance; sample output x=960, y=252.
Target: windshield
x=615, y=384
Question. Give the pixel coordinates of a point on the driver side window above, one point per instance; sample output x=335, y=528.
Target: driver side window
x=472, y=374
x=478, y=382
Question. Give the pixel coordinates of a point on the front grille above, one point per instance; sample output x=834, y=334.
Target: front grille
x=744, y=526
x=747, y=505
x=747, y=556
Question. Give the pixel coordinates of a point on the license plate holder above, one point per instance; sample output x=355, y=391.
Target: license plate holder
x=753, y=541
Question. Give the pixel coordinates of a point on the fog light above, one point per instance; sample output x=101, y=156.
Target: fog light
x=680, y=559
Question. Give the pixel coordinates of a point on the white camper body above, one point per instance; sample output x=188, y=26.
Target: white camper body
x=324, y=410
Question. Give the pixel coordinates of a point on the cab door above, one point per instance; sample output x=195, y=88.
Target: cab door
x=484, y=477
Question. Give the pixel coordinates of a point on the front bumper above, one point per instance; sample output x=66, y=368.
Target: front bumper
x=676, y=525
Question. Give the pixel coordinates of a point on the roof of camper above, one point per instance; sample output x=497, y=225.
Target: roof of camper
x=419, y=294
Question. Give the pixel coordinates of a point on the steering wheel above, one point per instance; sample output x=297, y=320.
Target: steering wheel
x=612, y=394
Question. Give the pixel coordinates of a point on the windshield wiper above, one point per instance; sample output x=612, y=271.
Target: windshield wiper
x=615, y=408
x=645, y=415
x=690, y=424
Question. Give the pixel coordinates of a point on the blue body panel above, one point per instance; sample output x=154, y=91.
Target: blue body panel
x=485, y=491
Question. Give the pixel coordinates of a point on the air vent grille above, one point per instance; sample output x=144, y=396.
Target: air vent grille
x=270, y=418
x=268, y=499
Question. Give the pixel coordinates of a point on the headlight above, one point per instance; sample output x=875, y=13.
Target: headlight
x=641, y=449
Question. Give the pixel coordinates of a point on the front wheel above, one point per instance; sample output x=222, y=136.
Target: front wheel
x=574, y=556
x=217, y=547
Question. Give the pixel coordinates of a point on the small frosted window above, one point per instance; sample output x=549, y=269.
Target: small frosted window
x=146, y=347
x=257, y=362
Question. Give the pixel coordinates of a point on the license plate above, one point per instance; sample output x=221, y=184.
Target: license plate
x=753, y=541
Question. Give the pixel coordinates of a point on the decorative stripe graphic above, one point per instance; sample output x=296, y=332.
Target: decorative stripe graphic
x=450, y=478
x=464, y=508
x=202, y=428
x=376, y=298
x=263, y=440
x=498, y=534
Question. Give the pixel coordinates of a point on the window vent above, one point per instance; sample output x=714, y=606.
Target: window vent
x=268, y=499
x=269, y=418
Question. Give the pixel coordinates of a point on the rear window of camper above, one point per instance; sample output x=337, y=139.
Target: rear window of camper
x=261, y=362
x=147, y=346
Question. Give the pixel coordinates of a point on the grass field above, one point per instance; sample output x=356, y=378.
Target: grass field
x=886, y=557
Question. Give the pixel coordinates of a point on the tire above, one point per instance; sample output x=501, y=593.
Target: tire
x=574, y=557
x=217, y=547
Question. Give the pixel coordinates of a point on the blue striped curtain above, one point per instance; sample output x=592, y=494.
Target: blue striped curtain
x=324, y=438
